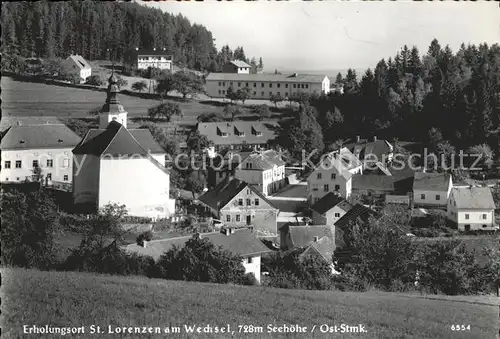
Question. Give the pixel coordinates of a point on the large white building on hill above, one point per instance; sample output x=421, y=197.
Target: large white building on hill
x=115, y=165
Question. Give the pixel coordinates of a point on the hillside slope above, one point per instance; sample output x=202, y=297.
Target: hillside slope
x=75, y=299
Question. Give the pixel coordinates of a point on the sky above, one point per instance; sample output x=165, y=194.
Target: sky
x=333, y=35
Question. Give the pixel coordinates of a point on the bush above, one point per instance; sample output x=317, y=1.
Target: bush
x=94, y=80
x=146, y=236
x=427, y=232
x=249, y=280
x=349, y=282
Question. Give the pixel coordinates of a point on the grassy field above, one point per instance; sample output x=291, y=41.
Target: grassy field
x=75, y=299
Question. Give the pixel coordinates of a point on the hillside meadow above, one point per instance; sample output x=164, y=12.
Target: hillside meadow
x=80, y=299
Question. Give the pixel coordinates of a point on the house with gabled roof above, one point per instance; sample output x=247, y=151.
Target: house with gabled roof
x=431, y=189
x=76, y=64
x=472, y=208
x=374, y=153
x=238, y=204
x=357, y=212
x=237, y=66
x=224, y=166
x=329, y=209
x=242, y=242
x=333, y=174
x=263, y=169
x=113, y=164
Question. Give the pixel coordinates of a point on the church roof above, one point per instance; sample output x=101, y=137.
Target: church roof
x=116, y=140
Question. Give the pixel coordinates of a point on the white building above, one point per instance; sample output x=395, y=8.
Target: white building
x=262, y=86
x=237, y=66
x=472, y=208
x=237, y=241
x=156, y=58
x=265, y=170
x=329, y=209
x=431, y=189
x=333, y=174
x=29, y=148
x=76, y=64
x=115, y=165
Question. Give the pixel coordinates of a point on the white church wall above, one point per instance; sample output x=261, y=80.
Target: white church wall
x=85, y=178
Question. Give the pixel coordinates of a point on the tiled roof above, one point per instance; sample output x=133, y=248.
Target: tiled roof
x=292, y=191
x=473, y=197
x=39, y=137
x=343, y=160
x=329, y=201
x=290, y=206
x=7, y=122
x=373, y=182
x=431, y=181
x=213, y=131
x=302, y=236
x=357, y=211
x=230, y=160
x=376, y=149
x=225, y=191
x=241, y=64
x=263, y=160
x=79, y=61
x=290, y=78
x=324, y=246
x=242, y=242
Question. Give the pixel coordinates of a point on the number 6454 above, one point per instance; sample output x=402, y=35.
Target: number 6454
x=460, y=327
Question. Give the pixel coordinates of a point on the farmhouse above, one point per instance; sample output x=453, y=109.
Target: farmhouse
x=31, y=149
x=263, y=86
x=238, y=135
x=238, y=241
x=115, y=165
x=76, y=64
x=472, y=208
x=236, y=203
x=157, y=58
x=265, y=170
x=237, y=66
x=431, y=189
x=329, y=209
x=333, y=174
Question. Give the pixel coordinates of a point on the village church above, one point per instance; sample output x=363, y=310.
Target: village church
x=114, y=164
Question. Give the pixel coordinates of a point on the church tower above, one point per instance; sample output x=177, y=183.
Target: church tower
x=112, y=109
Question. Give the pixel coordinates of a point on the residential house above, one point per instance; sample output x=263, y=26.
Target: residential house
x=472, y=208
x=238, y=135
x=333, y=174
x=263, y=169
x=156, y=58
x=263, y=86
x=242, y=242
x=237, y=66
x=374, y=154
x=239, y=204
x=329, y=209
x=113, y=164
x=224, y=166
x=357, y=212
x=30, y=149
x=431, y=189
x=76, y=64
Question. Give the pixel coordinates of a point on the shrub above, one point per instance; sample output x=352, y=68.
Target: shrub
x=145, y=236
x=249, y=280
x=94, y=80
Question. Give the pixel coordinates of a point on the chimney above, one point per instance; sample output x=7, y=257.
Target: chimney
x=357, y=139
x=316, y=239
x=375, y=138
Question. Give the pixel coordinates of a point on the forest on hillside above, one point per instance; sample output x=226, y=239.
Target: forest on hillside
x=447, y=100
x=108, y=30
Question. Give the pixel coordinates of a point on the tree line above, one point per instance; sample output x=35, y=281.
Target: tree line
x=108, y=31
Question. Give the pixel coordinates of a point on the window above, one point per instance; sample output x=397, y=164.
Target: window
x=50, y=163
x=270, y=85
x=239, y=84
x=65, y=177
x=230, y=84
x=294, y=85
x=65, y=162
x=270, y=93
x=224, y=134
x=221, y=174
x=35, y=163
x=254, y=84
x=484, y=226
x=220, y=84
x=484, y=216
x=237, y=217
x=326, y=188
x=49, y=176
x=7, y=164
x=223, y=83
x=337, y=187
x=246, y=85
x=249, y=260
x=319, y=176
x=256, y=201
x=466, y=217
x=286, y=85
x=307, y=86
x=278, y=85
x=262, y=85
x=438, y=197
x=302, y=86
x=228, y=218
x=262, y=93
x=223, y=92
x=337, y=215
x=422, y=196
x=220, y=92
x=334, y=176
x=249, y=202
x=254, y=93
x=240, y=202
